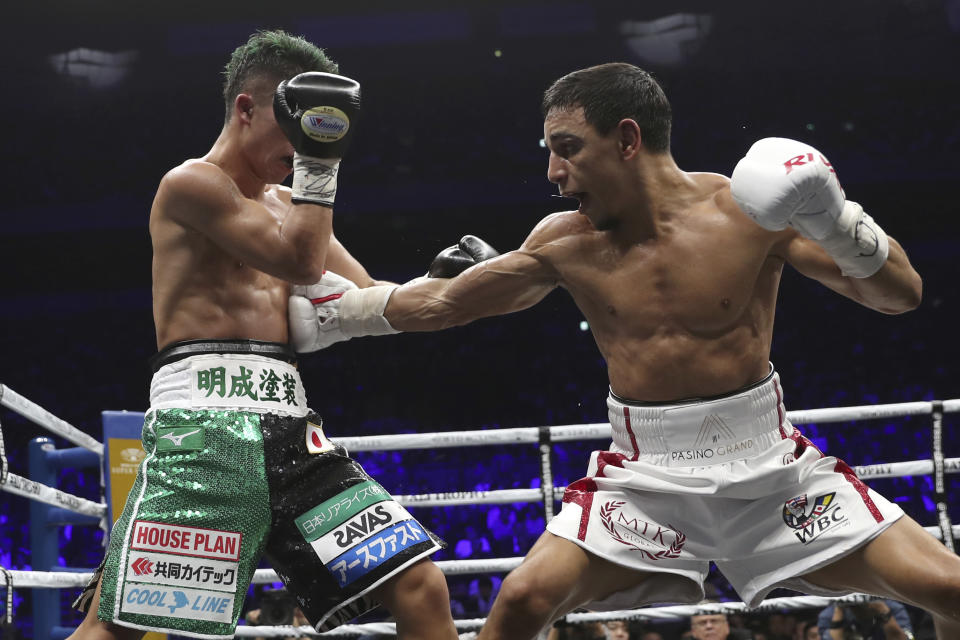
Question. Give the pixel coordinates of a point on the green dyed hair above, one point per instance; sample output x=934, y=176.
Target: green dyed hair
x=611, y=92
x=267, y=58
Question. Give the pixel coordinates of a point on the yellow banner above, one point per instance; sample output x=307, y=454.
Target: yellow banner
x=125, y=455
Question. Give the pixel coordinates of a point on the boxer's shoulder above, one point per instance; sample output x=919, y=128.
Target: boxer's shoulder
x=194, y=184
x=558, y=234
x=561, y=224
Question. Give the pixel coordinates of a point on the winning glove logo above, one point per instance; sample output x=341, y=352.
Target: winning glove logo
x=325, y=124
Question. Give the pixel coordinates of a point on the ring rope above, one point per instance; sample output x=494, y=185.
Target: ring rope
x=937, y=466
x=40, y=416
x=444, y=439
x=681, y=612
x=668, y=613
x=66, y=580
x=505, y=496
x=43, y=493
x=494, y=496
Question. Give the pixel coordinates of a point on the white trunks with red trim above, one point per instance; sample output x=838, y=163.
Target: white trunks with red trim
x=724, y=479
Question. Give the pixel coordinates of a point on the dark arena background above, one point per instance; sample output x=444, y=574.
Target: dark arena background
x=101, y=99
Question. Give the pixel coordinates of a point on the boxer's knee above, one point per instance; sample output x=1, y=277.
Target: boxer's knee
x=419, y=591
x=523, y=594
x=943, y=592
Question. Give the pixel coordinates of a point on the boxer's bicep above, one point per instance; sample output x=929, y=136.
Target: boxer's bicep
x=807, y=257
x=895, y=288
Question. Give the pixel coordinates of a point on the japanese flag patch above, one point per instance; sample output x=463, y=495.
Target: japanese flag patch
x=316, y=441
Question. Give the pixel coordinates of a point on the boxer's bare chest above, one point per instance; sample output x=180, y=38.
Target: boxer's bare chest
x=697, y=279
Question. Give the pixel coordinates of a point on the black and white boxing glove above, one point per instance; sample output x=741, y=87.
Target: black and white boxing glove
x=317, y=112
x=456, y=259
x=334, y=310
x=782, y=182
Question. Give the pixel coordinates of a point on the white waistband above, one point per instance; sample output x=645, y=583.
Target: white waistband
x=702, y=432
x=229, y=381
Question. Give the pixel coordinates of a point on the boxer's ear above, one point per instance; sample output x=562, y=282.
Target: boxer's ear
x=629, y=138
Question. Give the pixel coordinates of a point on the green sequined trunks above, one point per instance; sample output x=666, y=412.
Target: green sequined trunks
x=219, y=489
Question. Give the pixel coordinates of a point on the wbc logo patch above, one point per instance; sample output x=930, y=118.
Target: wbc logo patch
x=795, y=510
x=824, y=515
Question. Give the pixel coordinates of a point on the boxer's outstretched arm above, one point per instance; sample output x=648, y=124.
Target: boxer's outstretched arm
x=335, y=309
x=895, y=288
x=510, y=282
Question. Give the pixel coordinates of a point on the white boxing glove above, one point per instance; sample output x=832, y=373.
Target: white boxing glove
x=782, y=182
x=313, y=314
x=334, y=310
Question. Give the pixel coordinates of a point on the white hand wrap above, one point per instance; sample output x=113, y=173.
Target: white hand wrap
x=314, y=180
x=782, y=182
x=361, y=311
x=313, y=313
x=858, y=245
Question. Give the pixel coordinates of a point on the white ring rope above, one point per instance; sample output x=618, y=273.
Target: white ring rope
x=669, y=613
x=43, y=493
x=65, y=580
x=445, y=439
x=506, y=496
x=681, y=612
x=40, y=416
x=902, y=469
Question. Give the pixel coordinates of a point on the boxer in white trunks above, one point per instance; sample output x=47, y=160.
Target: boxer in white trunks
x=677, y=274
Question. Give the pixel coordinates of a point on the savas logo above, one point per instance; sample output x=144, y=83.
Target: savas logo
x=362, y=526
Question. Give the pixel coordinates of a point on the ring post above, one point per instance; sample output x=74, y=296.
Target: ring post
x=45, y=462
x=43, y=541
